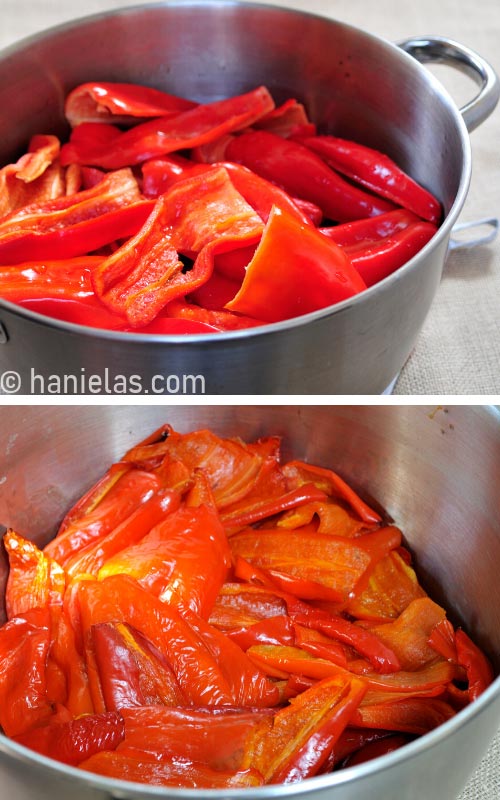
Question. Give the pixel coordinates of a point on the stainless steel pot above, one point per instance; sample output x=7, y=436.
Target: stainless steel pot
x=435, y=471
x=352, y=82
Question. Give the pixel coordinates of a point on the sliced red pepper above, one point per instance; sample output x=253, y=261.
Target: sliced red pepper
x=130, y=671
x=102, y=102
x=442, y=640
x=298, y=472
x=112, y=149
x=243, y=604
x=408, y=635
x=24, y=647
x=130, y=491
x=305, y=276
x=376, y=261
x=259, y=510
x=304, y=174
x=128, y=766
x=120, y=598
x=288, y=119
x=34, y=580
x=318, y=644
x=376, y=172
x=159, y=174
x=76, y=224
x=478, y=668
x=274, y=630
x=74, y=741
x=212, y=295
x=171, y=560
x=330, y=515
x=416, y=715
x=69, y=279
x=190, y=313
x=65, y=654
x=143, y=275
x=376, y=749
x=392, y=585
x=90, y=558
x=86, y=311
x=363, y=232
x=305, y=732
x=37, y=176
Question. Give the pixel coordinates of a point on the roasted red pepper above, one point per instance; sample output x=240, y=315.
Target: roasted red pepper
x=377, y=172
x=301, y=172
x=99, y=145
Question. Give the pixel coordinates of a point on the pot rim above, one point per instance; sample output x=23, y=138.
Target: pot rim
x=222, y=337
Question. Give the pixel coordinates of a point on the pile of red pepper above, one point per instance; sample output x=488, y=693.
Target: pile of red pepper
x=209, y=616
x=161, y=215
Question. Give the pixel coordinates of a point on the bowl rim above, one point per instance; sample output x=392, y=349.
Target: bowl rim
x=223, y=337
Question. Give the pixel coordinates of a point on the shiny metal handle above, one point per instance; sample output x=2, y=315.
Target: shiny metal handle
x=439, y=49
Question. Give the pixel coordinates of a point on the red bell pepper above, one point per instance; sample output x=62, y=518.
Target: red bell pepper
x=69, y=279
x=442, y=640
x=131, y=673
x=37, y=176
x=288, y=119
x=304, y=174
x=34, y=580
x=364, y=232
x=65, y=654
x=214, y=319
x=274, y=630
x=408, y=635
x=128, y=493
x=415, y=715
x=143, y=275
x=304, y=733
x=478, y=668
x=170, y=560
x=76, y=224
x=124, y=765
x=90, y=558
x=257, y=511
x=392, y=586
x=377, y=172
x=306, y=275
x=376, y=749
x=112, y=149
x=77, y=740
x=102, y=102
x=24, y=647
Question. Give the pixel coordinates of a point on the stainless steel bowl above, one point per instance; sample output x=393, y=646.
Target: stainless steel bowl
x=357, y=84
x=435, y=471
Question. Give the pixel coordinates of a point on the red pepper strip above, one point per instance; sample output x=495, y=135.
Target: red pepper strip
x=275, y=630
x=142, y=276
x=212, y=318
x=380, y=747
x=93, y=496
x=76, y=224
x=159, y=174
x=34, y=580
x=171, y=560
x=92, y=557
x=242, y=605
x=306, y=276
x=261, y=509
x=349, y=742
x=302, y=173
x=249, y=686
x=408, y=635
x=321, y=561
x=68, y=279
x=166, y=134
x=478, y=668
x=298, y=472
x=74, y=741
x=232, y=468
x=24, y=646
x=130, y=672
x=305, y=732
x=442, y=640
x=392, y=586
x=363, y=232
x=128, y=766
x=100, y=102
x=86, y=311
x=174, y=326
x=120, y=598
x=416, y=715
x=288, y=119
x=376, y=172
x=378, y=260
x=331, y=516
x=216, y=737
x=130, y=491
x=35, y=177
x=317, y=644
x=64, y=653
x=212, y=295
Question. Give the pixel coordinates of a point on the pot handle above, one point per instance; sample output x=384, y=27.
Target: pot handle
x=439, y=49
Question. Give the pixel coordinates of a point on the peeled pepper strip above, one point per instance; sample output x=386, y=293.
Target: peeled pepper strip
x=157, y=137
x=305, y=275
x=76, y=224
x=35, y=177
x=143, y=275
x=34, y=579
x=117, y=102
x=65, y=279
